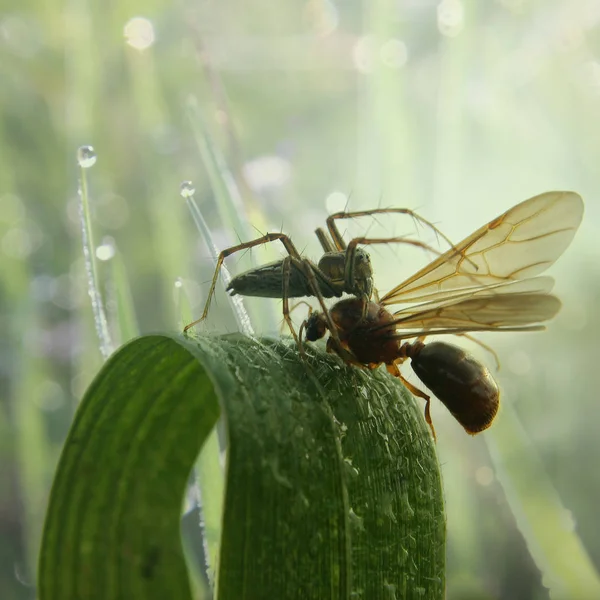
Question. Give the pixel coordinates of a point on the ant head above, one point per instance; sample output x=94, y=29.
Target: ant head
x=315, y=327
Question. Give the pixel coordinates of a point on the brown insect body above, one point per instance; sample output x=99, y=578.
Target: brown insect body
x=463, y=384
x=357, y=331
x=488, y=282
x=369, y=333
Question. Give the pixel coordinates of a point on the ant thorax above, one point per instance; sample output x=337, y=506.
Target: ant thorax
x=368, y=330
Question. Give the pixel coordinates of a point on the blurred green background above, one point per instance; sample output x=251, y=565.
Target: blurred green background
x=456, y=109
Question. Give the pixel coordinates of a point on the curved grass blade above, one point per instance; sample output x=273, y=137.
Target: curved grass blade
x=332, y=485
x=112, y=527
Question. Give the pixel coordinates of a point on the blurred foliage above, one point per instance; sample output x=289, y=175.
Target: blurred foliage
x=457, y=109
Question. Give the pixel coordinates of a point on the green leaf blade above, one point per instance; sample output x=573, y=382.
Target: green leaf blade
x=112, y=529
x=332, y=485
x=337, y=466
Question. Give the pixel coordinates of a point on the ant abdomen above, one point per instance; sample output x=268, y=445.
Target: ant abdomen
x=462, y=383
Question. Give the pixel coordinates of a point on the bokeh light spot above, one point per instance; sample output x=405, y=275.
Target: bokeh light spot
x=362, y=54
x=267, y=172
x=394, y=53
x=450, y=16
x=336, y=202
x=139, y=33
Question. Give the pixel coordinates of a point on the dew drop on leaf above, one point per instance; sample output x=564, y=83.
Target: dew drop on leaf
x=86, y=156
x=187, y=189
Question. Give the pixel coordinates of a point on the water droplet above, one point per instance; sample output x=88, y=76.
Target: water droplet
x=106, y=250
x=407, y=509
x=187, y=189
x=179, y=282
x=358, y=523
x=86, y=156
x=385, y=504
x=349, y=469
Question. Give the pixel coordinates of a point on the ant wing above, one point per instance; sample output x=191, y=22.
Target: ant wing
x=481, y=313
x=537, y=285
x=517, y=245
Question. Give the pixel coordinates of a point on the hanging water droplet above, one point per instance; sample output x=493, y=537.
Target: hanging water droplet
x=86, y=156
x=187, y=189
x=106, y=250
x=179, y=282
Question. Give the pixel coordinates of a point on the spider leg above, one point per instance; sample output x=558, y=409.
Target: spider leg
x=265, y=239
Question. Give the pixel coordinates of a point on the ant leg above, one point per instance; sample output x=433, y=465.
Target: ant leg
x=339, y=241
x=428, y=418
x=346, y=355
x=269, y=237
x=415, y=391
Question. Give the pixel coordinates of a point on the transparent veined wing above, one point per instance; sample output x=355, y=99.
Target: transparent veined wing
x=475, y=313
x=519, y=244
x=536, y=285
